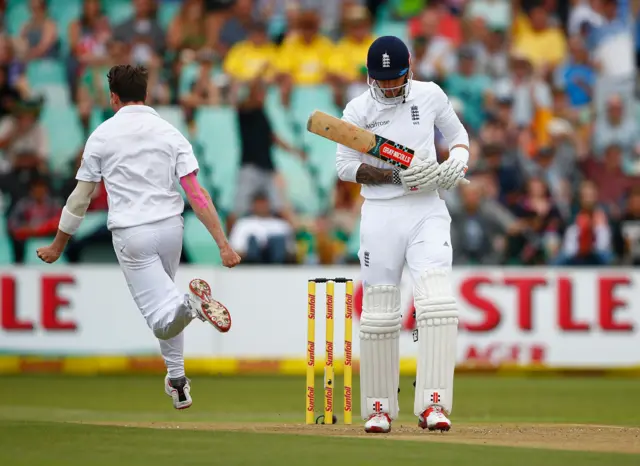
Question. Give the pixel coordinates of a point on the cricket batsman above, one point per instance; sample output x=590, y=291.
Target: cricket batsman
x=404, y=221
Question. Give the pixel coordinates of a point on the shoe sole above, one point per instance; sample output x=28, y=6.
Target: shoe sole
x=441, y=426
x=377, y=430
x=220, y=317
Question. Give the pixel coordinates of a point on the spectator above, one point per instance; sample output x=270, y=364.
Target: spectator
x=543, y=45
x=582, y=17
x=588, y=240
x=142, y=33
x=448, y=24
x=255, y=55
x=576, y=76
x=236, y=28
x=612, y=47
x=434, y=55
x=22, y=133
x=3, y=16
x=88, y=38
x=610, y=179
x=630, y=228
x=536, y=237
x=493, y=57
x=204, y=90
x=470, y=87
x=261, y=237
x=39, y=36
x=615, y=128
x=257, y=171
x=495, y=13
x=36, y=215
x=349, y=68
x=93, y=88
x=304, y=55
x=187, y=29
x=15, y=183
x=476, y=235
x=217, y=12
x=14, y=68
x=531, y=100
x=553, y=164
x=497, y=160
x=9, y=95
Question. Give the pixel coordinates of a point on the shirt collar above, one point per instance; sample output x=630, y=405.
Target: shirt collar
x=137, y=109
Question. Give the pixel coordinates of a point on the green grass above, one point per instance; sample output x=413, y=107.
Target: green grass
x=33, y=431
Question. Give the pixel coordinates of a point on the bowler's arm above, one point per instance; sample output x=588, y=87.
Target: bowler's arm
x=203, y=207
x=349, y=162
x=72, y=215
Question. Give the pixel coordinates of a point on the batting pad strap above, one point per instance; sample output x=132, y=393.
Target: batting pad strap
x=69, y=223
x=380, y=323
x=435, y=308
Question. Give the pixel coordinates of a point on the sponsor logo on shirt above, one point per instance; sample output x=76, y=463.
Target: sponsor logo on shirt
x=376, y=124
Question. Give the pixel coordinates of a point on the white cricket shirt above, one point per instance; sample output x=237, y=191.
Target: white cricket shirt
x=141, y=158
x=410, y=123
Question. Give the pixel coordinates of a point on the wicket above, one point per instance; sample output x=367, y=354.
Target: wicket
x=328, y=417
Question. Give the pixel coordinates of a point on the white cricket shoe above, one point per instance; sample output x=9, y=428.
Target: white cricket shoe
x=379, y=423
x=434, y=418
x=206, y=308
x=179, y=390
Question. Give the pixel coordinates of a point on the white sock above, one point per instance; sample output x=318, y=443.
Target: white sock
x=173, y=353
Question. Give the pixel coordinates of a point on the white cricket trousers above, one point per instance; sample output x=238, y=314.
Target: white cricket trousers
x=149, y=256
x=412, y=230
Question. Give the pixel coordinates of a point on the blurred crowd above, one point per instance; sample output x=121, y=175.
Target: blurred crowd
x=546, y=88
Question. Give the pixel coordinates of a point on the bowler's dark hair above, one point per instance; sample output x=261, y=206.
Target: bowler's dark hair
x=129, y=82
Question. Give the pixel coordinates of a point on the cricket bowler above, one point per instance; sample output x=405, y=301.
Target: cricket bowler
x=142, y=158
x=404, y=221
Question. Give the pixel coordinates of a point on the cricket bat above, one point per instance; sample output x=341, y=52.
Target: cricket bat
x=360, y=139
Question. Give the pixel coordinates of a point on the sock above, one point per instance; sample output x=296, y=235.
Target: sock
x=173, y=353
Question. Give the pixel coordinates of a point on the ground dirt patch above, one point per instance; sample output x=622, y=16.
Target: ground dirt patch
x=576, y=437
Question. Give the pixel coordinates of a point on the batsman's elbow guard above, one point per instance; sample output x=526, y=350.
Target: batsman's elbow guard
x=69, y=223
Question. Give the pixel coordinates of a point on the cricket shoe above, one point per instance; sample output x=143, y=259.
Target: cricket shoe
x=206, y=308
x=378, y=423
x=434, y=418
x=179, y=390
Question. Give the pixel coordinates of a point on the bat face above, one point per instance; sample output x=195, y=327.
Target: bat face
x=360, y=139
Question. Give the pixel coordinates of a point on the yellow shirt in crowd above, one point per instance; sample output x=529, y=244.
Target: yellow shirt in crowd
x=307, y=63
x=246, y=59
x=350, y=57
x=540, y=47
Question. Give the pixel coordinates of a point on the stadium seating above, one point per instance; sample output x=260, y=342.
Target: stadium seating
x=217, y=131
x=65, y=135
x=197, y=242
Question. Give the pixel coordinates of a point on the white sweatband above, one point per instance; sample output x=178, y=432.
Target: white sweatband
x=77, y=205
x=459, y=153
x=69, y=223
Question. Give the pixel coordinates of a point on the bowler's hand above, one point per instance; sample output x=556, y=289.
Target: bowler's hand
x=229, y=257
x=49, y=254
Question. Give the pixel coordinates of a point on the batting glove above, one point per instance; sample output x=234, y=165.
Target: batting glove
x=452, y=172
x=421, y=176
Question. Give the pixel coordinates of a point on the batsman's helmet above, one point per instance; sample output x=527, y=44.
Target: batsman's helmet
x=388, y=58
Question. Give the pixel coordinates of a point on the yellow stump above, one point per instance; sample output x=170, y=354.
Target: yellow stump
x=328, y=368
x=311, y=351
x=348, y=331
